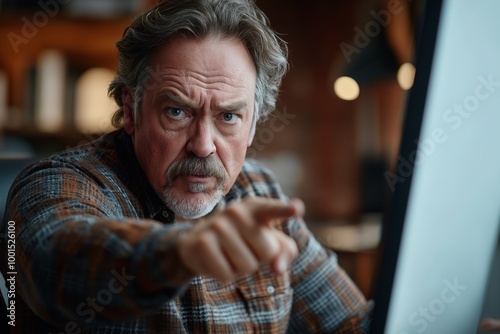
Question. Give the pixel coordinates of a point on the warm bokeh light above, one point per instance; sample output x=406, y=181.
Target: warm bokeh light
x=346, y=88
x=93, y=106
x=406, y=75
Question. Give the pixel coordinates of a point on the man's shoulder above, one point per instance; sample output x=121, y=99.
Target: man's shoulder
x=254, y=166
x=104, y=147
x=94, y=155
x=256, y=180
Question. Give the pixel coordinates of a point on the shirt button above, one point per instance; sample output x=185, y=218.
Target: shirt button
x=270, y=289
x=165, y=214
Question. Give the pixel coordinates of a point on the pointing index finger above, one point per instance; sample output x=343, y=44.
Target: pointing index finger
x=267, y=211
x=299, y=206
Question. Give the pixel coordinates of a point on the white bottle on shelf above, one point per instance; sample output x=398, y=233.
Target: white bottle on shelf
x=49, y=91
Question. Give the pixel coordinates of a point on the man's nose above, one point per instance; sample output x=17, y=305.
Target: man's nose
x=201, y=139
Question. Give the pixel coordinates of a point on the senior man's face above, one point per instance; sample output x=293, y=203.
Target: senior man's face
x=197, y=114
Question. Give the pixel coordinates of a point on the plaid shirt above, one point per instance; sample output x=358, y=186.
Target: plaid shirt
x=93, y=255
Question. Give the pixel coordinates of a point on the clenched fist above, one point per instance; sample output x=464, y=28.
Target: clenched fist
x=240, y=238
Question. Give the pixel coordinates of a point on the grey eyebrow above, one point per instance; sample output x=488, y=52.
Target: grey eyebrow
x=179, y=102
x=234, y=107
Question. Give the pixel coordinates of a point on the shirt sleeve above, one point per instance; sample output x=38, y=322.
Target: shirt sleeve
x=76, y=261
x=325, y=299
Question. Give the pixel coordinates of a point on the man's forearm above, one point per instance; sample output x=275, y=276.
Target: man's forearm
x=101, y=271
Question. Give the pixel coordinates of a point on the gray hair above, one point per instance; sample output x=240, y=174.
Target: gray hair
x=240, y=19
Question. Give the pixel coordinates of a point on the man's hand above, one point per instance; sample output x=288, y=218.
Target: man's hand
x=240, y=238
x=489, y=325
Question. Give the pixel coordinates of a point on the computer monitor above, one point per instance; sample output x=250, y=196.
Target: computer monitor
x=443, y=224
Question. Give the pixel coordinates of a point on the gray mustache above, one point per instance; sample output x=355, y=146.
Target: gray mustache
x=194, y=165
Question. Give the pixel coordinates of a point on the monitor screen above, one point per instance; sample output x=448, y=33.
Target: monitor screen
x=444, y=221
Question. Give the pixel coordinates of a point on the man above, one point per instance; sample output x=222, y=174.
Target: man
x=162, y=226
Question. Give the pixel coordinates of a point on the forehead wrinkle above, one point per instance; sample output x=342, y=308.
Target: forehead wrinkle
x=203, y=79
x=183, y=101
x=179, y=86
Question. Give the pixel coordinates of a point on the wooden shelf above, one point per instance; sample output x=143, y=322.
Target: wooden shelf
x=46, y=143
x=84, y=42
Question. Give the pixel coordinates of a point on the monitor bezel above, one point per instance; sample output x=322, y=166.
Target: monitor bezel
x=393, y=222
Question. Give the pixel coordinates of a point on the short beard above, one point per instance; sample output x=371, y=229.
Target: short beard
x=189, y=208
x=193, y=165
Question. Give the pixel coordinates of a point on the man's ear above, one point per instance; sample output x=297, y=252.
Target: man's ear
x=128, y=112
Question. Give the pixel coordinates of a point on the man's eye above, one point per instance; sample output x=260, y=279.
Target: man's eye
x=175, y=112
x=228, y=117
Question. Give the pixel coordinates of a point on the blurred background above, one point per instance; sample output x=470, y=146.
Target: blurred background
x=332, y=140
